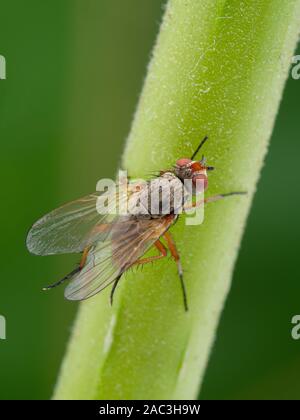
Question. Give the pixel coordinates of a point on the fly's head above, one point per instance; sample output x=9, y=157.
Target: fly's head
x=193, y=169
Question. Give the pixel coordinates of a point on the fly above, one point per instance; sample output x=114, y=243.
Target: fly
x=112, y=243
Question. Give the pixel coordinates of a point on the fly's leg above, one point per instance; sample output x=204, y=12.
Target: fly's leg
x=84, y=257
x=175, y=255
x=114, y=289
x=75, y=271
x=67, y=277
x=163, y=253
x=213, y=198
x=221, y=196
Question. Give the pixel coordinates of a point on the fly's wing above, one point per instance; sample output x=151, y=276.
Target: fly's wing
x=64, y=229
x=109, y=259
x=75, y=225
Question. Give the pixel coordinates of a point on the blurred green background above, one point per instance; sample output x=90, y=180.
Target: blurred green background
x=74, y=72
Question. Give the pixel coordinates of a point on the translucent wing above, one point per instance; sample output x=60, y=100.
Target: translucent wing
x=73, y=226
x=109, y=259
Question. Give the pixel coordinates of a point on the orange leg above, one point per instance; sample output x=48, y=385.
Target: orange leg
x=175, y=255
x=75, y=271
x=163, y=253
x=84, y=257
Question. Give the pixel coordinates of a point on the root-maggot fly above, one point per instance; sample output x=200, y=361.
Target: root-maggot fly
x=112, y=243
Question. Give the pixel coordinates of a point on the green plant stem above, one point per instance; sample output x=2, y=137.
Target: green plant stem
x=218, y=69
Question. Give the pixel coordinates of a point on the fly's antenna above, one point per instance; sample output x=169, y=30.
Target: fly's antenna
x=199, y=147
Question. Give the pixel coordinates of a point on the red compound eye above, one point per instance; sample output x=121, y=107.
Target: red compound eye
x=202, y=186
x=183, y=162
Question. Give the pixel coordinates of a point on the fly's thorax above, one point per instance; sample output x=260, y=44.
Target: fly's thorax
x=160, y=196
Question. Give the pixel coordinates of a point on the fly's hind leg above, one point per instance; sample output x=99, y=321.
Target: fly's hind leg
x=163, y=253
x=175, y=255
x=84, y=257
x=67, y=277
x=73, y=272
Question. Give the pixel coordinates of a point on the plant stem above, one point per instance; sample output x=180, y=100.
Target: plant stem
x=218, y=69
